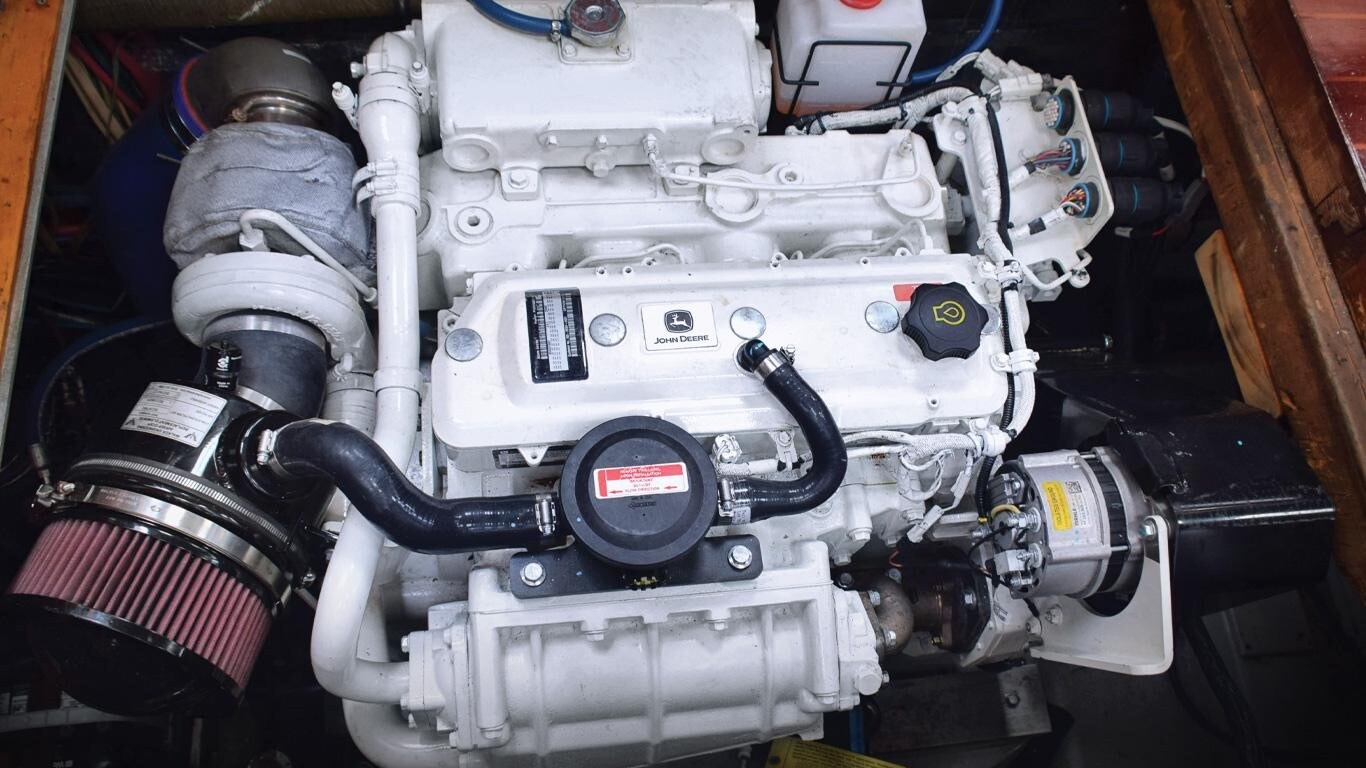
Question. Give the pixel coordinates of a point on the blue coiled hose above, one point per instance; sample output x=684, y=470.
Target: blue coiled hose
x=500, y=14
x=989, y=25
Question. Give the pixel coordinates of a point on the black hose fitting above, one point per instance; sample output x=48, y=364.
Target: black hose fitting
x=412, y=519
x=829, y=459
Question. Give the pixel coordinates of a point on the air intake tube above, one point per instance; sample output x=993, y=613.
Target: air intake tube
x=410, y=518
x=829, y=460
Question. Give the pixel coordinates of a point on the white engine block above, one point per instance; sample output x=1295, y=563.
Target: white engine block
x=581, y=277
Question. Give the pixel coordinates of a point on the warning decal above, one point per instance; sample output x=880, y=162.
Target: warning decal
x=182, y=414
x=1068, y=505
x=642, y=480
x=1057, y=505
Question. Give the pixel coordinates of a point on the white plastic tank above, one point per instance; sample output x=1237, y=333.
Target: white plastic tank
x=848, y=47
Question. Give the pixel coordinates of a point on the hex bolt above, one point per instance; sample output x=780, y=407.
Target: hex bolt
x=740, y=557
x=1012, y=699
x=1149, y=530
x=533, y=574
x=889, y=637
x=868, y=679
x=874, y=598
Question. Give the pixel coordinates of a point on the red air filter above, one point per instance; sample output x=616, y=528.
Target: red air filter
x=136, y=623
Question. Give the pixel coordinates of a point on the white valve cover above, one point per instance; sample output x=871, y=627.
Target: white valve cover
x=512, y=100
x=869, y=379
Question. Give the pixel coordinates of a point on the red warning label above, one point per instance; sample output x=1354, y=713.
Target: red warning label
x=642, y=480
x=904, y=291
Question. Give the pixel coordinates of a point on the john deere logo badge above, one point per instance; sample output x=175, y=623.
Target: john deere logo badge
x=680, y=320
x=949, y=313
x=678, y=325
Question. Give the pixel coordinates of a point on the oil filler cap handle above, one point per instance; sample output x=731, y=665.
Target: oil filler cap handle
x=944, y=321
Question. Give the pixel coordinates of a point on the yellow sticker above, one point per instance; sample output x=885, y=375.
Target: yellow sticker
x=795, y=753
x=1056, y=497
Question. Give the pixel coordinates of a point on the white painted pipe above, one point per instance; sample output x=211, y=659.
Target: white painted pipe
x=383, y=736
x=389, y=126
x=1024, y=381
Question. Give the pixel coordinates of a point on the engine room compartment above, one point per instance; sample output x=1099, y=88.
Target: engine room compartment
x=525, y=384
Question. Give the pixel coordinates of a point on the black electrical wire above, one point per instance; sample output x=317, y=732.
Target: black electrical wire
x=1298, y=755
x=1245, y=739
x=1003, y=229
x=1197, y=716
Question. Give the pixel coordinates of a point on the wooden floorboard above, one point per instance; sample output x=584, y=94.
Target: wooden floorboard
x=1335, y=31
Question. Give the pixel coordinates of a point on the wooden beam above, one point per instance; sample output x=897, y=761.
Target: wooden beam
x=1237, y=323
x=32, y=40
x=1315, y=355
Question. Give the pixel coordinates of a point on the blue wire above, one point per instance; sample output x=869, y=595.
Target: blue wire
x=856, y=740
x=531, y=25
x=978, y=43
x=98, y=338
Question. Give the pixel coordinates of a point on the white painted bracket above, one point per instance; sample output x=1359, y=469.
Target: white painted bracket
x=1137, y=640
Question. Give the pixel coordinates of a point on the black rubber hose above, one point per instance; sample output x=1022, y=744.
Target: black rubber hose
x=287, y=369
x=829, y=459
x=409, y=517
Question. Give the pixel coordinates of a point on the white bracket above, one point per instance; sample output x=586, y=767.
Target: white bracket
x=1137, y=640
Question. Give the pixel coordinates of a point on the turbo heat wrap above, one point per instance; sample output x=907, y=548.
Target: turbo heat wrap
x=410, y=518
x=300, y=173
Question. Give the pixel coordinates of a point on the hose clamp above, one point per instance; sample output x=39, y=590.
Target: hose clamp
x=775, y=360
x=545, y=514
x=190, y=525
x=1010, y=274
x=1019, y=361
x=733, y=504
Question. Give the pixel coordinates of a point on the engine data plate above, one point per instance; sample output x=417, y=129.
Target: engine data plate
x=554, y=321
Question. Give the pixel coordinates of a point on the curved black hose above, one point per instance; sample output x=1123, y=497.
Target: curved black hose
x=411, y=518
x=829, y=459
